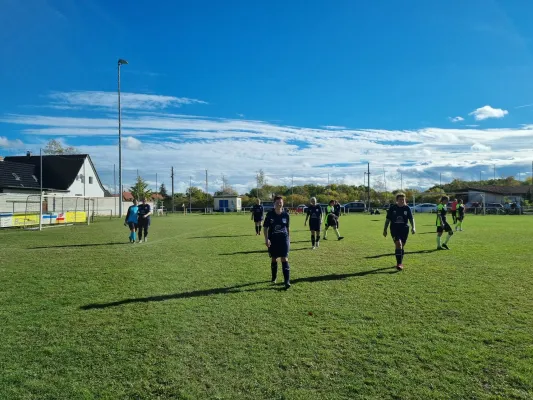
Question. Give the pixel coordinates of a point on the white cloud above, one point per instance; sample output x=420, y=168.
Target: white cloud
x=5, y=143
x=480, y=147
x=486, y=112
x=131, y=143
x=136, y=101
x=456, y=119
x=333, y=127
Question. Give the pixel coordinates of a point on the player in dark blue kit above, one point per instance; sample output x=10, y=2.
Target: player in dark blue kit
x=144, y=219
x=332, y=221
x=337, y=211
x=277, y=239
x=314, y=215
x=257, y=216
x=132, y=220
x=397, y=216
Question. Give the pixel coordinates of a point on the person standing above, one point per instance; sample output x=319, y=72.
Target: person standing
x=257, y=216
x=314, y=215
x=277, y=240
x=454, y=211
x=461, y=216
x=398, y=216
x=442, y=224
x=132, y=220
x=332, y=221
x=144, y=219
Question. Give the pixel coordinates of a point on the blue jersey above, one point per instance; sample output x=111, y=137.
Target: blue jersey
x=258, y=211
x=314, y=213
x=278, y=224
x=399, y=216
x=132, y=215
x=144, y=209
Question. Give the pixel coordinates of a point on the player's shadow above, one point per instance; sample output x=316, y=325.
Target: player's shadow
x=78, y=245
x=235, y=289
x=407, y=252
x=426, y=233
x=255, y=252
x=219, y=236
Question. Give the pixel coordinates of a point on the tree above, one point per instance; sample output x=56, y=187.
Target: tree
x=54, y=147
x=163, y=191
x=261, y=181
x=226, y=189
x=140, y=189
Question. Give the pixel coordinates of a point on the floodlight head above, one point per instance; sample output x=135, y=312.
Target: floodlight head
x=121, y=61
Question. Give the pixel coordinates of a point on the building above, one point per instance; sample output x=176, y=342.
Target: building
x=494, y=194
x=66, y=175
x=227, y=203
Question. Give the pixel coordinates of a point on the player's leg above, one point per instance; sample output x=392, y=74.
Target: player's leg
x=336, y=228
x=318, y=236
x=274, y=268
x=326, y=231
x=439, y=237
x=398, y=253
x=140, y=225
x=286, y=269
x=449, y=230
x=313, y=233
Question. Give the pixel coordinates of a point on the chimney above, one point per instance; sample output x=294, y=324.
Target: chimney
x=28, y=154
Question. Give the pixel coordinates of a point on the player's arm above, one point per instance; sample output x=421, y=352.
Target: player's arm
x=387, y=222
x=306, y=217
x=150, y=212
x=266, y=229
x=127, y=215
x=252, y=213
x=412, y=221
x=288, y=226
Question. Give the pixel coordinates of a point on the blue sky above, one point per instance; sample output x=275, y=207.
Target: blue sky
x=302, y=88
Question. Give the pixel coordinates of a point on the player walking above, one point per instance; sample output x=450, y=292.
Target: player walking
x=144, y=219
x=397, y=216
x=314, y=215
x=454, y=211
x=132, y=220
x=442, y=224
x=461, y=217
x=332, y=221
x=257, y=216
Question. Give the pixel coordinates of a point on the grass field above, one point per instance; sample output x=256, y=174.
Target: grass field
x=191, y=314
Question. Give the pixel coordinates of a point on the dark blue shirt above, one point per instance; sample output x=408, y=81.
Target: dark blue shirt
x=337, y=210
x=144, y=209
x=257, y=210
x=278, y=225
x=399, y=216
x=314, y=213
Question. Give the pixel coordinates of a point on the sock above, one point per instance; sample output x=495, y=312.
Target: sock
x=337, y=233
x=460, y=224
x=447, y=238
x=313, y=239
x=256, y=229
x=398, y=254
x=403, y=254
x=286, y=272
x=274, y=268
x=259, y=228
x=438, y=241
x=133, y=235
x=317, y=237
x=325, y=234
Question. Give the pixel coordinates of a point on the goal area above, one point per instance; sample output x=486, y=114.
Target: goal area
x=36, y=212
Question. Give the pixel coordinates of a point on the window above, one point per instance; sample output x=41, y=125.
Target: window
x=17, y=178
x=90, y=180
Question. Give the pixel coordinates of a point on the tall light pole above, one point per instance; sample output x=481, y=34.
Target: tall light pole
x=120, y=62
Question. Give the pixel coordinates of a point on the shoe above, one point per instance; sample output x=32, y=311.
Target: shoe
x=317, y=244
x=145, y=240
x=287, y=285
x=325, y=238
x=314, y=247
x=445, y=246
x=456, y=229
x=399, y=267
x=461, y=229
x=340, y=238
x=273, y=281
x=439, y=248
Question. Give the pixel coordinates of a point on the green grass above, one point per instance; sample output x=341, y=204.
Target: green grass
x=191, y=315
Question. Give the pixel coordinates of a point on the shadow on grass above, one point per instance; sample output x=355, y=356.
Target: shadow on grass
x=426, y=233
x=220, y=236
x=236, y=289
x=79, y=245
x=407, y=252
x=257, y=252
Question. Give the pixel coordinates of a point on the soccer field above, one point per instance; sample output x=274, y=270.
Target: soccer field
x=191, y=314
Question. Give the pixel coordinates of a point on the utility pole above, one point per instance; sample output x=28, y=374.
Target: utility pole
x=494, y=171
x=115, y=188
x=384, y=180
x=172, y=178
x=292, y=191
x=368, y=173
x=440, y=179
x=257, y=185
x=190, y=199
x=401, y=181
x=479, y=176
x=206, y=192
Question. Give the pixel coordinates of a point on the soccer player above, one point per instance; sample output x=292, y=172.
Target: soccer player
x=277, y=239
x=144, y=219
x=397, y=216
x=461, y=217
x=314, y=215
x=337, y=211
x=454, y=211
x=442, y=224
x=333, y=221
x=132, y=220
x=257, y=216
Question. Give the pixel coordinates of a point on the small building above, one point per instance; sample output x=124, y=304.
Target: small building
x=495, y=194
x=227, y=203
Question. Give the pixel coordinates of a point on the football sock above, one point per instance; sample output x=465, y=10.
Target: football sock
x=317, y=238
x=274, y=268
x=133, y=235
x=447, y=238
x=256, y=229
x=259, y=228
x=313, y=239
x=438, y=241
x=337, y=233
x=326, y=234
x=286, y=272
x=398, y=254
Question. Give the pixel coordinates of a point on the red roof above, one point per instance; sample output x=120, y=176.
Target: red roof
x=127, y=196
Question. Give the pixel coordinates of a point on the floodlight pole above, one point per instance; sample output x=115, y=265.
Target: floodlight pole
x=41, y=191
x=120, y=62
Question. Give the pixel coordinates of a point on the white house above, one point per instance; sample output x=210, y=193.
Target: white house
x=227, y=203
x=65, y=174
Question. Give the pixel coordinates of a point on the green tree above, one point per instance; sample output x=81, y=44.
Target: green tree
x=140, y=189
x=54, y=147
x=163, y=191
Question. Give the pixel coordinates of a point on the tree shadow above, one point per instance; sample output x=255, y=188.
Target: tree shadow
x=79, y=245
x=407, y=252
x=236, y=289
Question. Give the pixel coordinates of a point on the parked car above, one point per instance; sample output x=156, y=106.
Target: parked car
x=302, y=209
x=268, y=206
x=355, y=206
x=425, y=208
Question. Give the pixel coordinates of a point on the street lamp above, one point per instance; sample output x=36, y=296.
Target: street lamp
x=120, y=62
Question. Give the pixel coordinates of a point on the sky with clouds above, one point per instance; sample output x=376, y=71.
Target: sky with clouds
x=308, y=92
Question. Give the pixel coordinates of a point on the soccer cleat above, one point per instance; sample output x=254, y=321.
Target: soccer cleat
x=317, y=244
x=325, y=238
x=314, y=247
x=461, y=229
x=340, y=238
x=445, y=246
x=439, y=248
x=287, y=285
x=399, y=267
x=456, y=229
x=145, y=240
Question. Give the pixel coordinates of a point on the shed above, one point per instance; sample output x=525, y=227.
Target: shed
x=227, y=203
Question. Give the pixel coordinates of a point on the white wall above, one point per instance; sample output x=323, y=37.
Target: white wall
x=82, y=186
x=234, y=203
x=474, y=196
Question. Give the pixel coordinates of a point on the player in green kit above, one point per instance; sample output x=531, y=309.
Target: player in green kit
x=442, y=224
x=460, y=217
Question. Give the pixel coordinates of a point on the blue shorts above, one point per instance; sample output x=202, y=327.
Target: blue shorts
x=132, y=225
x=258, y=219
x=314, y=225
x=279, y=248
x=400, y=234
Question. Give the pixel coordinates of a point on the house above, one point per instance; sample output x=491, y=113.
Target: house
x=227, y=203
x=494, y=194
x=68, y=175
